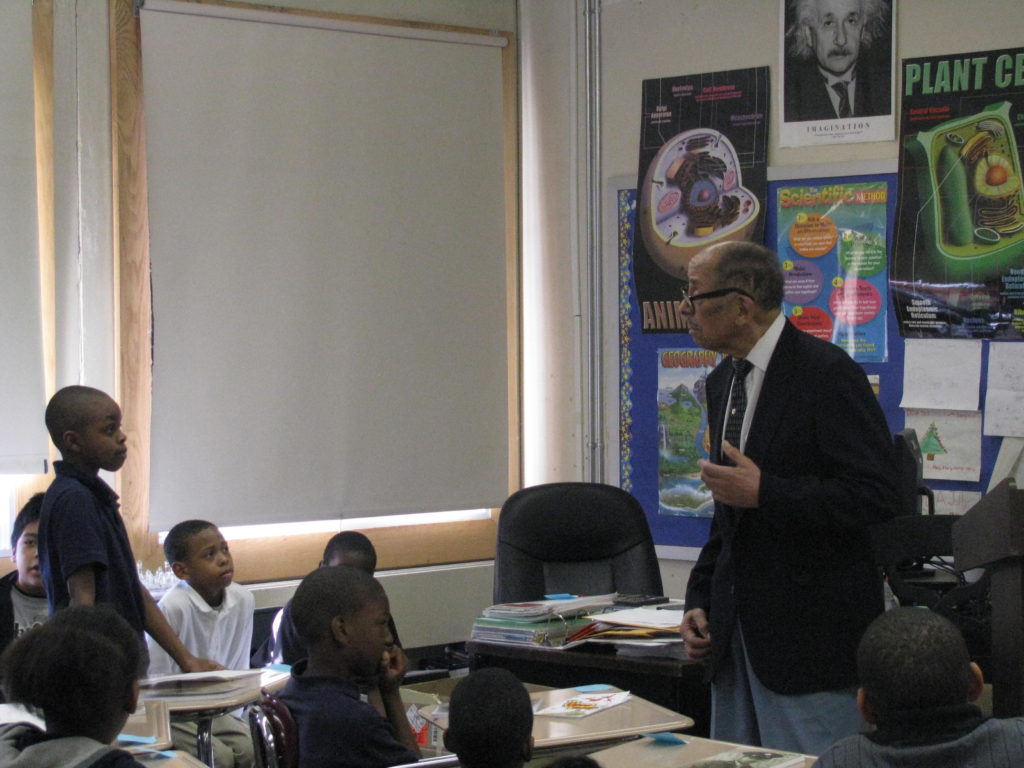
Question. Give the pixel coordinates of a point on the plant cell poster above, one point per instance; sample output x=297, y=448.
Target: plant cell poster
x=958, y=267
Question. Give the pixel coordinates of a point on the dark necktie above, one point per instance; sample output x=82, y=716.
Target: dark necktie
x=737, y=404
x=842, y=90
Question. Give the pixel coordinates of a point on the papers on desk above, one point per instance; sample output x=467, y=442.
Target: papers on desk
x=585, y=704
x=544, y=610
x=635, y=631
x=200, y=683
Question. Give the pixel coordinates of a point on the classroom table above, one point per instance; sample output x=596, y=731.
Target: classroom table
x=202, y=709
x=677, y=684
x=166, y=759
x=651, y=753
x=628, y=720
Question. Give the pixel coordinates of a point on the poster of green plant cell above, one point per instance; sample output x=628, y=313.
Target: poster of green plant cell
x=958, y=266
x=831, y=240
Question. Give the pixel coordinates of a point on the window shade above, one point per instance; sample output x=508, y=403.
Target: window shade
x=327, y=224
x=23, y=440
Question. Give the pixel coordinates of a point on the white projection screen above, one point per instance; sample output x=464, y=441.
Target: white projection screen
x=327, y=215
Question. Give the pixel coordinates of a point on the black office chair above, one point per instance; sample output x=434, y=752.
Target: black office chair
x=575, y=538
x=915, y=553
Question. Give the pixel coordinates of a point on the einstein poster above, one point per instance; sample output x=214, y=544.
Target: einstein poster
x=837, y=59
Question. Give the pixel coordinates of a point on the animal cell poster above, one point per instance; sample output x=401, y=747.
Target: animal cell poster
x=832, y=244
x=958, y=266
x=701, y=177
x=662, y=416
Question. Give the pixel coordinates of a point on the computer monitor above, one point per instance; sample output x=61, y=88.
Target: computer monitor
x=910, y=472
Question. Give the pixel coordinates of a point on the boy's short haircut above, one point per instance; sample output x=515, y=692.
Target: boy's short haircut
x=339, y=590
x=65, y=411
x=351, y=541
x=490, y=718
x=913, y=658
x=81, y=662
x=26, y=516
x=176, y=542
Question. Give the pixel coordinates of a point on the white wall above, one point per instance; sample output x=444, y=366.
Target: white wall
x=431, y=606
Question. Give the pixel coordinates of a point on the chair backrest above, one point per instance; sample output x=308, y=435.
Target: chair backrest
x=903, y=545
x=577, y=538
x=274, y=735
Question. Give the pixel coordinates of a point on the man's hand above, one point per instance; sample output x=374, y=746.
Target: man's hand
x=696, y=632
x=196, y=664
x=736, y=486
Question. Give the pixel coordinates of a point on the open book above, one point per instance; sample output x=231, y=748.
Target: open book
x=199, y=683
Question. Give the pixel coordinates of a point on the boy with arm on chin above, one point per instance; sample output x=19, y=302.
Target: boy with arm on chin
x=22, y=596
x=341, y=613
x=213, y=618
x=84, y=553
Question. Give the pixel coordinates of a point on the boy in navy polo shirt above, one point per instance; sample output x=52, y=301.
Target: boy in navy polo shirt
x=341, y=614
x=84, y=552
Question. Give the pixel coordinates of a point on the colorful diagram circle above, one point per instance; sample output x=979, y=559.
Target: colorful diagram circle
x=813, y=234
x=855, y=302
x=812, y=320
x=861, y=254
x=802, y=281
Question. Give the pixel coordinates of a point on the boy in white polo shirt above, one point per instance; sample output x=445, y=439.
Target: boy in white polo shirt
x=213, y=618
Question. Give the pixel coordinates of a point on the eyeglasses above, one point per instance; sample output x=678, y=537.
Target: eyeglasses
x=689, y=301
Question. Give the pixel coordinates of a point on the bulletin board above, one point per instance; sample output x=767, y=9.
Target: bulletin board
x=641, y=435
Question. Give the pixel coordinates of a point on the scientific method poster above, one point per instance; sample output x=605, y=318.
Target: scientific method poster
x=701, y=177
x=832, y=244
x=958, y=266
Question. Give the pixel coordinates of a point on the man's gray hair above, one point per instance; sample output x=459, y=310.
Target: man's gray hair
x=752, y=267
x=805, y=14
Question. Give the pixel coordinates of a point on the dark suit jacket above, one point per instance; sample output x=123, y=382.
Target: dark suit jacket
x=798, y=571
x=806, y=94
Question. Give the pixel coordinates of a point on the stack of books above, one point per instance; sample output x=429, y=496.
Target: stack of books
x=538, y=622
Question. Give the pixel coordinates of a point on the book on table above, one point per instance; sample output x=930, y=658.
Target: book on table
x=543, y=610
x=548, y=632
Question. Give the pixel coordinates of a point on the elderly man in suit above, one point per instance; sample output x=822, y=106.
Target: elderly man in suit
x=832, y=70
x=786, y=583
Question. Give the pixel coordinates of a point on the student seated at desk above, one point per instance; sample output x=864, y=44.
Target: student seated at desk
x=79, y=669
x=213, y=617
x=23, y=603
x=917, y=683
x=341, y=614
x=284, y=646
x=490, y=720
